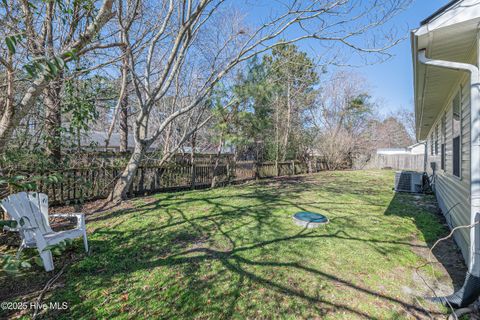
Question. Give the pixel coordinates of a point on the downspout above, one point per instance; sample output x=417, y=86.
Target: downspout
x=470, y=290
x=425, y=156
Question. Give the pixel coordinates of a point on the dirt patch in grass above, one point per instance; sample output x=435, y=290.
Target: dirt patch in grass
x=446, y=257
x=93, y=207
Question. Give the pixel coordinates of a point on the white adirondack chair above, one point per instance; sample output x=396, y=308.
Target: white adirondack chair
x=30, y=211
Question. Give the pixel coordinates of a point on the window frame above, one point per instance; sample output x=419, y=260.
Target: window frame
x=431, y=144
x=443, y=150
x=457, y=135
x=443, y=157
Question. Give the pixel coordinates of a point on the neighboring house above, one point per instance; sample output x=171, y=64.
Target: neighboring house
x=445, y=51
x=392, y=151
x=95, y=140
x=417, y=148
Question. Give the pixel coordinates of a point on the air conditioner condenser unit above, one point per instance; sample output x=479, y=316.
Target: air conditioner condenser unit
x=408, y=181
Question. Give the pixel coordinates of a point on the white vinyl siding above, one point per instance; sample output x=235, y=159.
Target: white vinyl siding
x=453, y=193
x=465, y=146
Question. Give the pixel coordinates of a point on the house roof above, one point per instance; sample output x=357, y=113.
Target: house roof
x=450, y=34
x=392, y=151
x=438, y=12
x=98, y=138
x=416, y=145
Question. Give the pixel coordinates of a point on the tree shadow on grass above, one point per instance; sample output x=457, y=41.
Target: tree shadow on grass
x=187, y=250
x=209, y=263
x=232, y=260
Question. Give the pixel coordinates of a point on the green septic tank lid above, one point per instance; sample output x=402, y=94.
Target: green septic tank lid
x=309, y=219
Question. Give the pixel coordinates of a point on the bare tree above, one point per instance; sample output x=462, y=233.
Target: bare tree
x=348, y=128
x=407, y=118
x=126, y=17
x=210, y=40
x=336, y=147
x=341, y=117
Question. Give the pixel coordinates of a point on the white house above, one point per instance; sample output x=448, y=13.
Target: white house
x=417, y=148
x=95, y=140
x=445, y=51
x=392, y=151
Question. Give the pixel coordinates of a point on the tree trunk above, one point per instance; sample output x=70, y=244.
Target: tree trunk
x=121, y=109
x=123, y=121
x=12, y=117
x=124, y=124
x=124, y=182
x=192, y=160
x=277, y=132
x=217, y=161
x=166, y=145
x=288, y=124
x=8, y=111
x=53, y=119
x=6, y=128
x=14, y=112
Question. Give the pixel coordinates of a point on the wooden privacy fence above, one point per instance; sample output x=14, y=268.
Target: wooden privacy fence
x=413, y=162
x=84, y=184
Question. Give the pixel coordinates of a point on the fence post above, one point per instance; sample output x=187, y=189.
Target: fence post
x=293, y=167
x=257, y=172
x=228, y=171
x=192, y=166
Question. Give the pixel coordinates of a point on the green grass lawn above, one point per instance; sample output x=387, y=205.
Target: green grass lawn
x=234, y=252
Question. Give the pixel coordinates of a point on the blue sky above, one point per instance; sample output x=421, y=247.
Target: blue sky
x=392, y=80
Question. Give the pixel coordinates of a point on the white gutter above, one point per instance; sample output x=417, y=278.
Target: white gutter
x=474, y=263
